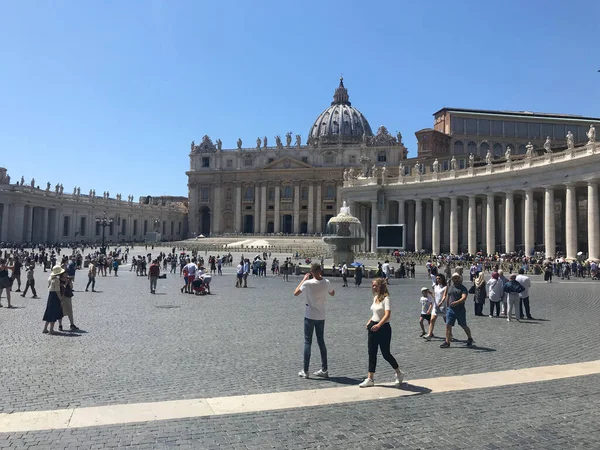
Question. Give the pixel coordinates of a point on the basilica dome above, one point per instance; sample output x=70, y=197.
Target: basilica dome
x=340, y=122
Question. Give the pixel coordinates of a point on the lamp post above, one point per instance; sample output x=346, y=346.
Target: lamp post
x=104, y=222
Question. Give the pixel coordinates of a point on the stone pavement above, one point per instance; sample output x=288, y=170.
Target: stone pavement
x=140, y=347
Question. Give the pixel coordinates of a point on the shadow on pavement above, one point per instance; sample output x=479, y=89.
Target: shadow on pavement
x=412, y=388
x=342, y=380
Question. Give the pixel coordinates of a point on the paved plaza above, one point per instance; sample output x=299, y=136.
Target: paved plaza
x=237, y=345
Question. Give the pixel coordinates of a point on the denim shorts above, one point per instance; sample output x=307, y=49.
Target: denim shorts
x=459, y=316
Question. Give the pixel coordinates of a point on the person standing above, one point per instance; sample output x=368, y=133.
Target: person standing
x=92, y=270
x=513, y=289
x=30, y=281
x=345, y=275
x=480, y=293
x=66, y=303
x=385, y=269
x=239, y=274
x=438, y=304
x=53, y=308
x=246, y=272
x=115, y=265
x=358, y=276
x=380, y=334
x=316, y=288
x=454, y=300
x=71, y=269
x=5, y=281
x=153, y=274
x=495, y=291
x=524, y=281
x=426, y=307
x=16, y=274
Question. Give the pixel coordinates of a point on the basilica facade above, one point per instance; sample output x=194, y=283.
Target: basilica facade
x=290, y=187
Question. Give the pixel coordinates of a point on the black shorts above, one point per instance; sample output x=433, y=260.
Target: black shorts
x=427, y=317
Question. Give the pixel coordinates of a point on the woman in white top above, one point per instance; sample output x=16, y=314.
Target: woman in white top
x=380, y=333
x=438, y=307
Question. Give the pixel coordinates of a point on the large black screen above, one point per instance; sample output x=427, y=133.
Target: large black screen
x=390, y=236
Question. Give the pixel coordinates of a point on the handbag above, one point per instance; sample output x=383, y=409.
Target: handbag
x=472, y=289
x=68, y=291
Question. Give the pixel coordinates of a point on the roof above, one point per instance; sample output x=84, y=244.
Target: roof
x=527, y=114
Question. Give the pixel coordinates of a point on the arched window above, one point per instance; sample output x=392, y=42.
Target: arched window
x=497, y=149
x=249, y=193
x=329, y=192
x=459, y=148
x=271, y=193
x=304, y=195
x=483, y=149
x=472, y=148
x=228, y=194
x=287, y=192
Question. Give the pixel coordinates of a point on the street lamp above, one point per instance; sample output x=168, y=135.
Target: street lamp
x=103, y=222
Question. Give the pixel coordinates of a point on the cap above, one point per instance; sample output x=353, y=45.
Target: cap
x=424, y=289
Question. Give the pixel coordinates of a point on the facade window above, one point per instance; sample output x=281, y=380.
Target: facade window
x=534, y=131
x=123, y=227
x=288, y=192
x=522, y=149
x=381, y=156
x=172, y=227
x=82, y=226
x=135, y=227
x=522, y=130
x=548, y=130
x=271, y=193
x=483, y=127
x=560, y=132
x=497, y=150
x=111, y=229
x=228, y=194
x=445, y=165
x=66, y=225
x=329, y=192
x=204, y=194
x=304, y=193
x=249, y=193
x=458, y=125
x=179, y=228
x=497, y=129
x=407, y=170
x=305, y=159
x=483, y=149
x=229, y=163
x=145, y=227
x=248, y=162
x=459, y=148
x=329, y=159
x=471, y=126
x=509, y=129
x=205, y=161
x=328, y=207
x=472, y=148
x=461, y=163
x=270, y=160
x=97, y=229
x=352, y=159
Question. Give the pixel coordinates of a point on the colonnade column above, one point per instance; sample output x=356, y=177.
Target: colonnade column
x=593, y=224
x=446, y=224
x=216, y=228
x=401, y=216
x=19, y=219
x=319, y=218
x=237, y=219
x=571, y=222
x=418, y=233
x=509, y=222
x=256, y=228
x=263, y=209
x=4, y=231
x=374, y=215
x=453, y=226
x=428, y=223
x=296, y=208
x=29, y=225
x=472, y=226
x=410, y=224
x=311, y=209
x=277, y=218
x=490, y=228
x=549, y=223
x=464, y=238
x=45, y=225
x=529, y=232
x=435, y=227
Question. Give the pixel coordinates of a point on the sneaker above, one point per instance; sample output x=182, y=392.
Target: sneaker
x=74, y=328
x=302, y=374
x=60, y=328
x=35, y=296
x=22, y=295
x=445, y=345
x=399, y=379
x=427, y=338
x=470, y=342
x=367, y=383
x=422, y=334
x=321, y=374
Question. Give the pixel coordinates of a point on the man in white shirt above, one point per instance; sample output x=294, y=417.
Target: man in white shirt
x=345, y=275
x=385, y=268
x=524, y=296
x=239, y=274
x=316, y=288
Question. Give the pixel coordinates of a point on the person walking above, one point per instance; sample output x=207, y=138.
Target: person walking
x=66, y=303
x=16, y=273
x=380, y=334
x=246, y=272
x=358, y=276
x=316, y=288
x=513, y=291
x=5, y=281
x=92, y=270
x=153, y=274
x=480, y=293
x=524, y=281
x=115, y=265
x=30, y=281
x=454, y=300
x=53, y=308
x=239, y=274
x=438, y=305
x=345, y=275
x=495, y=291
x=426, y=307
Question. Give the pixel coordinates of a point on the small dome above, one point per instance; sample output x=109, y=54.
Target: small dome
x=340, y=121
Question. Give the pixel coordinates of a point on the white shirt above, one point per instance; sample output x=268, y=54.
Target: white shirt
x=240, y=269
x=316, y=294
x=439, y=294
x=526, y=283
x=425, y=303
x=386, y=268
x=379, y=309
x=344, y=269
x=191, y=268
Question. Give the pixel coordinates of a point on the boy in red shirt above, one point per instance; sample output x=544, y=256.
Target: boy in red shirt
x=153, y=274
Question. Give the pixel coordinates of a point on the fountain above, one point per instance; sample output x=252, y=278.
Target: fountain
x=343, y=232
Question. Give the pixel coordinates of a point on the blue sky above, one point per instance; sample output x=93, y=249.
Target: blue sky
x=109, y=94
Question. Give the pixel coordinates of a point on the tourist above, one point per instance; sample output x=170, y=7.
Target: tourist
x=5, y=281
x=246, y=272
x=503, y=280
x=548, y=272
x=316, y=288
x=92, y=271
x=239, y=274
x=480, y=294
x=192, y=268
x=495, y=291
x=115, y=265
x=53, y=308
x=380, y=334
x=385, y=268
x=454, y=300
x=426, y=307
x=524, y=281
x=153, y=274
x=358, y=275
x=71, y=270
x=30, y=281
x=438, y=305
x=66, y=303
x=513, y=290
x=344, y=271
x=16, y=274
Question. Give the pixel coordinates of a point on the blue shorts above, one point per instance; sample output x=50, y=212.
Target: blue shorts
x=459, y=316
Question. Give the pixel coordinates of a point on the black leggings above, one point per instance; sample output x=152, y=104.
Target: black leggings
x=496, y=306
x=382, y=339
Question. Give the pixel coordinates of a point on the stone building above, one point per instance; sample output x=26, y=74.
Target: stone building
x=30, y=214
x=289, y=187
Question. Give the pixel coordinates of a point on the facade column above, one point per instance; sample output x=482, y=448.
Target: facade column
x=19, y=221
x=311, y=209
x=571, y=220
x=464, y=230
x=453, y=225
x=4, y=231
x=338, y=198
x=237, y=219
x=484, y=222
x=472, y=226
x=435, y=227
x=549, y=223
x=418, y=217
x=428, y=224
x=277, y=218
x=216, y=214
x=263, y=209
x=296, y=208
x=256, y=228
x=374, y=216
x=593, y=224
x=44, y=236
x=446, y=225
x=490, y=228
x=509, y=222
x=29, y=224
x=410, y=226
x=402, y=220
x=319, y=217
x=529, y=230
